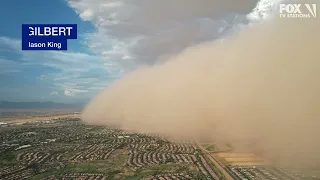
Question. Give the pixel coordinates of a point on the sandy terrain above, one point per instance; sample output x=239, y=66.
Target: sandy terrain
x=241, y=159
x=42, y=118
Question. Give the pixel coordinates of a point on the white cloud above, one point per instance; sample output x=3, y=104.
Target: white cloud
x=73, y=92
x=87, y=14
x=62, y=61
x=68, y=93
x=150, y=30
x=130, y=33
x=68, y=70
x=54, y=93
x=9, y=44
x=9, y=66
x=265, y=9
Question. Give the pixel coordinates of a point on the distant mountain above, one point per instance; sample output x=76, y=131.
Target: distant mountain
x=37, y=105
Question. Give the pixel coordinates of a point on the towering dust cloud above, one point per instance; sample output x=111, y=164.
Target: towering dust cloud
x=258, y=90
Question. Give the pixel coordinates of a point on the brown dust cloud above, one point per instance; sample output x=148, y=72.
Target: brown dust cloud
x=258, y=91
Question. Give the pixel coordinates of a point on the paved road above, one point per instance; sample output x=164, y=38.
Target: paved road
x=216, y=163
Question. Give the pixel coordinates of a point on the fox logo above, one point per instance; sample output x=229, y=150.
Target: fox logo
x=312, y=9
x=294, y=10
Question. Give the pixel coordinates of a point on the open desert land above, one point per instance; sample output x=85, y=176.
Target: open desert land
x=43, y=118
x=233, y=158
x=214, y=147
x=249, y=166
x=19, y=115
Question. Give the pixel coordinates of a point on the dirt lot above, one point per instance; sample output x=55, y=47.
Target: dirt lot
x=15, y=114
x=43, y=118
x=241, y=159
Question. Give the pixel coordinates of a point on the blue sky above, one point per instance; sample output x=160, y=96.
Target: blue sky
x=46, y=76
x=114, y=38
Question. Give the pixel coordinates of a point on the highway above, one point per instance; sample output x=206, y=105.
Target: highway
x=216, y=163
